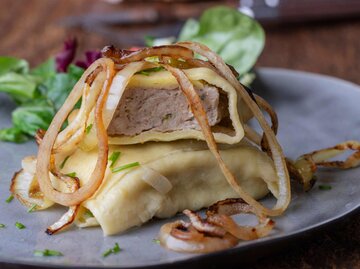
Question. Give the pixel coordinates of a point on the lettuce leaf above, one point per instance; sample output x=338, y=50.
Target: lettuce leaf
x=13, y=134
x=33, y=116
x=237, y=38
x=11, y=64
x=39, y=93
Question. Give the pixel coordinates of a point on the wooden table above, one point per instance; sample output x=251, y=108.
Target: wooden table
x=32, y=29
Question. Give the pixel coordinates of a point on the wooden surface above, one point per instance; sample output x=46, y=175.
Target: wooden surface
x=34, y=29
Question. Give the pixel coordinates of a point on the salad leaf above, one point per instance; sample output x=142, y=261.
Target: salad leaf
x=21, y=87
x=149, y=40
x=11, y=64
x=38, y=92
x=33, y=116
x=58, y=87
x=13, y=134
x=237, y=38
x=45, y=70
x=75, y=72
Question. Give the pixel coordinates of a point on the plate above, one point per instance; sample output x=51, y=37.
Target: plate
x=314, y=112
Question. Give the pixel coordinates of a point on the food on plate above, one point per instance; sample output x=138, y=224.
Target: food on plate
x=158, y=131
x=151, y=132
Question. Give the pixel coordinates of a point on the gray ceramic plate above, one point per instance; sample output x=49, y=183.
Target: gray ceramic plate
x=314, y=112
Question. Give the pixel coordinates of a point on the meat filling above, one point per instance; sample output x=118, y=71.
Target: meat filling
x=163, y=110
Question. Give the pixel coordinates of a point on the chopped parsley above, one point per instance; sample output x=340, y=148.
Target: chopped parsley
x=88, y=128
x=123, y=167
x=2, y=225
x=47, y=253
x=73, y=174
x=9, y=199
x=20, y=226
x=157, y=241
x=146, y=72
x=63, y=162
x=32, y=208
x=88, y=213
x=325, y=187
x=114, y=250
x=107, y=252
x=114, y=157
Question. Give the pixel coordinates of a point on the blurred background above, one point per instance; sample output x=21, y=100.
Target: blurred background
x=321, y=36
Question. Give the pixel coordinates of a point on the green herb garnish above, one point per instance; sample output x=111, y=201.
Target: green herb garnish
x=47, y=253
x=32, y=208
x=114, y=157
x=157, y=241
x=149, y=40
x=325, y=187
x=123, y=167
x=88, y=128
x=114, y=250
x=88, y=213
x=64, y=162
x=73, y=174
x=2, y=225
x=20, y=226
x=146, y=72
x=107, y=252
x=9, y=199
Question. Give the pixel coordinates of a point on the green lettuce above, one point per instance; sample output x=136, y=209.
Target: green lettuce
x=237, y=38
x=38, y=92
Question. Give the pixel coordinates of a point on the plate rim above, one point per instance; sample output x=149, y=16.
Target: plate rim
x=227, y=252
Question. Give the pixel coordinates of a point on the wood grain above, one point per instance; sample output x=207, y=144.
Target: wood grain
x=32, y=29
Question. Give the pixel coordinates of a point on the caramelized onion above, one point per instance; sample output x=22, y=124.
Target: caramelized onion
x=122, y=57
x=45, y=149
x=25, y=188
x=252, y=135
x=74, y=133
x=216, y=232
x=242, y=232
x=276, y=151
x=304, y=168
x=270, y=111
x=39, y=136
x=64, y=222
x=203, y=226
x=229, y=207
x=184, y=238
x=219, y=213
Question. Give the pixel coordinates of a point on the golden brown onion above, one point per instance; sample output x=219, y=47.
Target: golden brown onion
x=203, y=226
x=122, y=57
x=184, y=238
x=45, y=149
x=276, y=151
x=219, y=214
x=25, y=188
x=65, y=221
x=304, y=168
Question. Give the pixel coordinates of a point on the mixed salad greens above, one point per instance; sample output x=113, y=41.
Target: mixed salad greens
x=40, y=92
